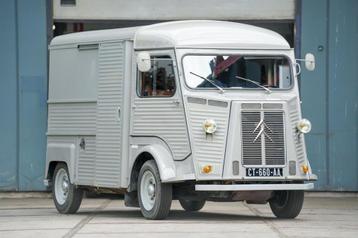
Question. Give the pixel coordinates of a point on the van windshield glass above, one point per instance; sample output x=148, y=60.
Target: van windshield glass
x=237, y=71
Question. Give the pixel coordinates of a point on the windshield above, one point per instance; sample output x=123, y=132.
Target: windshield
x=237, y=71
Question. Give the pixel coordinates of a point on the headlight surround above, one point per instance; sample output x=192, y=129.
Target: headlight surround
x=209, y=126
x=304, y=126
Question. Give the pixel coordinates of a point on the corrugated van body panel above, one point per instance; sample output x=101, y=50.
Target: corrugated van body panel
x=72, y=118
x=86, y=161
x=295, y=116
x=61, y=140
x=163, y=118
x=208, y=149
x=85, y=157
x=111, y=67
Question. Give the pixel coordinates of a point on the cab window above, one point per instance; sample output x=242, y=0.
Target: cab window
x=159, y=81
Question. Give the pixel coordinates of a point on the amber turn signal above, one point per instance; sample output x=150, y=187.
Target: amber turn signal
x=305, y=169
x=207, y=169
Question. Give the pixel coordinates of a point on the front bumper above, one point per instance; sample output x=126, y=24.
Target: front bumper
x=252, y=187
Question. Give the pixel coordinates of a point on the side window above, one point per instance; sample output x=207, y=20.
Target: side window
x=159, y=81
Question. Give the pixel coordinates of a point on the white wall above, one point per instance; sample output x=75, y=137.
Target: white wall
x=175, y=10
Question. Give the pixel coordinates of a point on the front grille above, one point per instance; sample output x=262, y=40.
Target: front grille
x=275, y=149
x=251, y=150
x=266, y=144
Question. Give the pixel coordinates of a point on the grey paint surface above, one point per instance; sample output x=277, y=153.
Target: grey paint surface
x=161, y=117
x=288, y=99
x=71, y=69
x=330, y=98
x=77, y=118
x=86, y=161
x=111, y=67
x=164, y=118
x=208, y=149
x=63, y=149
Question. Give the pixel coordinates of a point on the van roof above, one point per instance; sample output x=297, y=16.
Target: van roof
x=184, y=34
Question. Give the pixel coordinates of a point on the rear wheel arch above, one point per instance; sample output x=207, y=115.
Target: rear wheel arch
x=61, y=153
x=51, y=169
x=138, y=163
x=52, y=166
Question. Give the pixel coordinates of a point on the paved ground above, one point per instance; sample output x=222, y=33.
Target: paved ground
x=36, y=217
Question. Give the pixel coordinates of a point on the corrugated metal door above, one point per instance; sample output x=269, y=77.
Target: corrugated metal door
x=23, y=94
x=111, y=67
x=329, y=94
x=162, y=117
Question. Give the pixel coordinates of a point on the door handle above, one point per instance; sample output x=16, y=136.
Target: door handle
x=118, y=114
x=176, y=102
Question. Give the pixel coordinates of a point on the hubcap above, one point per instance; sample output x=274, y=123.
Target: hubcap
x=147, y=190
x=62, y=186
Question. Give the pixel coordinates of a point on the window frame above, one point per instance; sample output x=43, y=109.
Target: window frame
x=291, y=64
x=139, y=73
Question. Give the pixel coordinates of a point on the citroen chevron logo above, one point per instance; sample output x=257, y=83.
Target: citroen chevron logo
x=261, y=128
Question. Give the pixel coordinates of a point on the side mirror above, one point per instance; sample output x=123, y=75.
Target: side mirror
x=310, y=62
x=143, y=61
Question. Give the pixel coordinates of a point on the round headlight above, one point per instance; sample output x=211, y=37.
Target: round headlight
x=304, y=126
x=209, y=126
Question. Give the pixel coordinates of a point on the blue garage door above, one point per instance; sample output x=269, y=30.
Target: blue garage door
x=330, y=93
x=23, y=93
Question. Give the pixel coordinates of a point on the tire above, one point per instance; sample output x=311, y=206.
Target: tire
x=287, y=204
x=155, y=197
x=192, y=205
x=66, y=196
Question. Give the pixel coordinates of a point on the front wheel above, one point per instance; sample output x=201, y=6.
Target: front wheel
x=155, y=197
x=66, y=196
x=287, y=204
x=192, y=205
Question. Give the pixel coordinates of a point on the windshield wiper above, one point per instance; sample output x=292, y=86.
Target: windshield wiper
x=206, y=79
x=256, y=83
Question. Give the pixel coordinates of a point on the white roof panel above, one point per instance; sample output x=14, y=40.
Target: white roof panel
x=95, y=36
x=185, y=34
x=207, y=34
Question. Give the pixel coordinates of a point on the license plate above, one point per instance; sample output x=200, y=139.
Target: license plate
x=263, y=172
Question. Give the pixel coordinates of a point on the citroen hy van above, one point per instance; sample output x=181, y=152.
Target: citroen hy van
x=193, y=111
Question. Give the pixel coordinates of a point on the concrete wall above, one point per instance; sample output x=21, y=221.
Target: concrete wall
x=175, y=9
x=23, y=93
x=330, y=93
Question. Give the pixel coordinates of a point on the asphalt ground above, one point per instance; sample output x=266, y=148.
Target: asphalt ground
x=37, y=217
